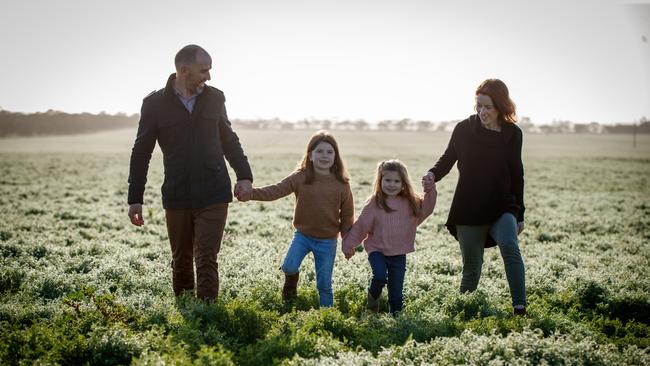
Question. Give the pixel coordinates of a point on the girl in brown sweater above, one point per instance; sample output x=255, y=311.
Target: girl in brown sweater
x=323, y=209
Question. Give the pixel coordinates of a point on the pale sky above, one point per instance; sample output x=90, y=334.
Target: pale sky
x=578, y=60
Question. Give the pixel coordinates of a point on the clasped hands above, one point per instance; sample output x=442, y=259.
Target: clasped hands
x=428, y=182
x=243, y=190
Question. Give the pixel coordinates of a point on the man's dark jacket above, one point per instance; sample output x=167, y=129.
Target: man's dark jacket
x=193, y=146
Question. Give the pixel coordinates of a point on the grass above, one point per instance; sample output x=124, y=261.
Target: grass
x=80, y=285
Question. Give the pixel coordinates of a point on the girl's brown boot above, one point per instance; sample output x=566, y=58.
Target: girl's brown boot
x=290, y=288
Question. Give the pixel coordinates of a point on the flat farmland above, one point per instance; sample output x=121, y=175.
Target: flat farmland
x=80, y=285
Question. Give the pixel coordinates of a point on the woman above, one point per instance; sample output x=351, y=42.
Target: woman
x=488, y=205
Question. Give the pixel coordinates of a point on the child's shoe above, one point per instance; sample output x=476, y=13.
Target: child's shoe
x=372, y=304
x=290, y=288
x=520, y=312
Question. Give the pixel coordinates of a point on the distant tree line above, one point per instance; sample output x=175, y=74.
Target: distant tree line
x=643, y=126
x=350, y=125
x=61, y=123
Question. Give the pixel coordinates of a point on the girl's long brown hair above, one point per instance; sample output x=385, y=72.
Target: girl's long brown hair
x=407, y=191
x=307, y=166
x=498, y=92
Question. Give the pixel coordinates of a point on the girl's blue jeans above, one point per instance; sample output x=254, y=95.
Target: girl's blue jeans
x=324, y=253
x=388, y=270
x=504, y=232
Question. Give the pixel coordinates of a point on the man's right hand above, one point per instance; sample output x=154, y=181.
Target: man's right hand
x=135, y=214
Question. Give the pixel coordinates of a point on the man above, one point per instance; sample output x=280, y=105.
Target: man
x=189, y=121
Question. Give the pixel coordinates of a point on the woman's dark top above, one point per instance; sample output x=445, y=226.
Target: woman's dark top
x=491, y=174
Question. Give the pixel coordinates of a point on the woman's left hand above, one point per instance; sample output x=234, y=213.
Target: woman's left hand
x=428, y=182
x=520, y=227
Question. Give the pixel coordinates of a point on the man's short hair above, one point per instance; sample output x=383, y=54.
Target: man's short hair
x=187, y=55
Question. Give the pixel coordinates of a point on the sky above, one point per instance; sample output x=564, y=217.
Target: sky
x=578, y=60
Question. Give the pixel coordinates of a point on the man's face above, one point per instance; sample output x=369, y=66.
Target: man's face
x=197, y=73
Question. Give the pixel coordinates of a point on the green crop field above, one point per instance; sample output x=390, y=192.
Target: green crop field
x=80, y=285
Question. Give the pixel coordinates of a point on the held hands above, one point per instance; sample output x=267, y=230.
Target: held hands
x=243, y=190
x=135, y=214
x=428, y=182
x=350, y=252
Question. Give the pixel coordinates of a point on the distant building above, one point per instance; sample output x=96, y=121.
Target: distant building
x=593, y=127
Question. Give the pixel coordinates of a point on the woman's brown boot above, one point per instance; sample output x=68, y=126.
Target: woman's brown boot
x=290, y=288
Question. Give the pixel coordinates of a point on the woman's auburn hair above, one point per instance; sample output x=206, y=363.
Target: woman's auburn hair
x=307, y=166
x=407, y=191
x=498, y=92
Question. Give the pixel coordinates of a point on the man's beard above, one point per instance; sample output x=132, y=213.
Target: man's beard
x=199, y=88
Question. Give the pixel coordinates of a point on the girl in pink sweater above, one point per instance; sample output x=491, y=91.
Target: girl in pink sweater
x=386, y=226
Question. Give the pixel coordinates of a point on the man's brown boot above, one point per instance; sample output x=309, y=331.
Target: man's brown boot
x=290, y=288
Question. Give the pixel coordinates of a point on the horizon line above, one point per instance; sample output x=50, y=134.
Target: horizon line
x=642, y=119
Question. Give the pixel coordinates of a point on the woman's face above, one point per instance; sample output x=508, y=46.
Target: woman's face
x=486, y=110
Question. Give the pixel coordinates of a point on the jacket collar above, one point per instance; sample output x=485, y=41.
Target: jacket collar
x=169, y=87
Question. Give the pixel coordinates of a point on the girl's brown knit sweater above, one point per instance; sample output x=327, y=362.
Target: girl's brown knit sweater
x=323, y=208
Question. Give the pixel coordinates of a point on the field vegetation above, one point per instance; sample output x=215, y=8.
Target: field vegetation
x=80, y=285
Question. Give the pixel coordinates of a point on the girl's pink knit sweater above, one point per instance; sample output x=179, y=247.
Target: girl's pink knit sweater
x=390, y=233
